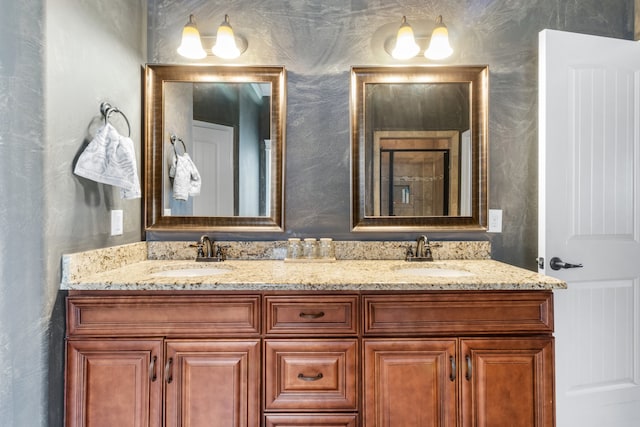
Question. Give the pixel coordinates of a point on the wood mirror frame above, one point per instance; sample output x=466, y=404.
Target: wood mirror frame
x=477, y=77
x=155, y=137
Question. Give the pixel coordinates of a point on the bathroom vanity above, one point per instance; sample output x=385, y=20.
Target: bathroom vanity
x=349, y=343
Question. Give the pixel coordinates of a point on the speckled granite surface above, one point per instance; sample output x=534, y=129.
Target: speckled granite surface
x=343, y=249
x=145, y=267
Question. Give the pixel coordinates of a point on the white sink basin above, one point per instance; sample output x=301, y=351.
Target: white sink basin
x=191, y=272
x=435, y=272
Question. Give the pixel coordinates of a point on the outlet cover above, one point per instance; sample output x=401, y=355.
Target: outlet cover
x=495, y=221
x=116, y=222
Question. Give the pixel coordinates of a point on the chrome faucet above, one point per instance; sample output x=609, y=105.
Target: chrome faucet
x=208, y=250
x=423, y=250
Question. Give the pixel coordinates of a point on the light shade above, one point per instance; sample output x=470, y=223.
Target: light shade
x=439, y=47
x=225, y=46
x=191, y=46
x=406, y=46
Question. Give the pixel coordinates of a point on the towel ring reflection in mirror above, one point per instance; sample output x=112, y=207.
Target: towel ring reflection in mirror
x=175, y=138
x=107, y=109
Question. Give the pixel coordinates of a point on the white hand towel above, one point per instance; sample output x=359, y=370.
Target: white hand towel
x=110, y=158
x=186, y=179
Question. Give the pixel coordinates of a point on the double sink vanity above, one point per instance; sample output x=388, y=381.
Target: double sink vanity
x=155, y=338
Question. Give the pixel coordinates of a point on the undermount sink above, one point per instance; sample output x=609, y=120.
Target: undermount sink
x=435, y=272
x=191, y=272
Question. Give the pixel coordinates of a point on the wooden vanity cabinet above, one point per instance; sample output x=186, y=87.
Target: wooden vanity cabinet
x=285, y=359
x=187, y=360
x=462, y=359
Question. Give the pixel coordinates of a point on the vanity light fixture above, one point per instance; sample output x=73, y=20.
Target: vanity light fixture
x=439, y=47
x=227, y=44
x=191, y=46
x=406, y=46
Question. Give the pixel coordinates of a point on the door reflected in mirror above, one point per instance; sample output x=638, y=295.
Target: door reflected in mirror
x=225, y=129
x=419, y=144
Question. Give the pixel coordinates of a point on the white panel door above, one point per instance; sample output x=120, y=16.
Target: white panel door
x=213, y=156
x=589, y=200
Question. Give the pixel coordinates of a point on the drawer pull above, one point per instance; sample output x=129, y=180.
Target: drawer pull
x=452, y=375
x=303, y=377
x=312, y=315
x=469, y=367
x=152, y=369
x=167, y=370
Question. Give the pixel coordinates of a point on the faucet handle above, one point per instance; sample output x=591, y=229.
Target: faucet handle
x=409, y=253
x=220, y=253
x=199, y=248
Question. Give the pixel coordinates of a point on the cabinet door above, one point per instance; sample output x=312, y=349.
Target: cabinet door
x=409, y=383
x=114, y=383
x=507, y=382
x=212, y=382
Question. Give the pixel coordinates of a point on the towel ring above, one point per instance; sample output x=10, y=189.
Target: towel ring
x=175, y=138
x=107, y=109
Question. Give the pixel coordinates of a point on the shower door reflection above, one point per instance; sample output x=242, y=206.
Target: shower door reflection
x=419, y=174
x=414, y=182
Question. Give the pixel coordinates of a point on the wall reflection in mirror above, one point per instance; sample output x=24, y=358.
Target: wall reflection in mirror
x=225, y=130
x=419, y=142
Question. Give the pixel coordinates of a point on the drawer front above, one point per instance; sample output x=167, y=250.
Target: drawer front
x=311, y=375
x=167, y=315
x=311, y=420
x=311, y=315
x=465, y=312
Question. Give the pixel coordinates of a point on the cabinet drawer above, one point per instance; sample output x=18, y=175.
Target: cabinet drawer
x=164, y=315
x=311, y=420
x=311, y=374
x=315, y=315
x=458, y=313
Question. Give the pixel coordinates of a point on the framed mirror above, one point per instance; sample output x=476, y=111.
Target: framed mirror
x=419, y=148
x=214, y=148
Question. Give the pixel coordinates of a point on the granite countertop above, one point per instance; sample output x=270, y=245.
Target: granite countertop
x=341, y=275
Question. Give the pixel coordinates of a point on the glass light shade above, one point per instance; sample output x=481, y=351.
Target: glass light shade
x=225, y=46
x=191, y=46
x=439, y=47
x=406, y=46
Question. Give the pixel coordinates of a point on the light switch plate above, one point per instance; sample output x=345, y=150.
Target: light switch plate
x=495, y=221
x=116, y=222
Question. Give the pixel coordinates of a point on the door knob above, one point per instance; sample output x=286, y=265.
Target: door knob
x=556, y=264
